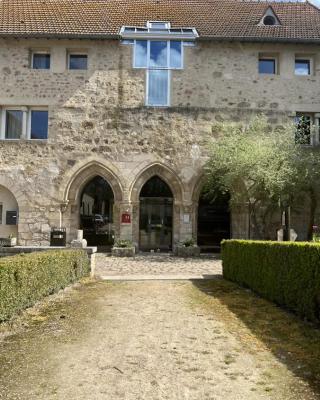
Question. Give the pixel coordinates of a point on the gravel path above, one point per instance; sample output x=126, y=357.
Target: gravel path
x=155, y=266
x=141, y=340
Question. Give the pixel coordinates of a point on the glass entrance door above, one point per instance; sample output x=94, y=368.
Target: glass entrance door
x=156, y=223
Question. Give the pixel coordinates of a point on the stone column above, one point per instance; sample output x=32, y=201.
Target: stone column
x=125, y=219
x=239, y=221
x=186, y=222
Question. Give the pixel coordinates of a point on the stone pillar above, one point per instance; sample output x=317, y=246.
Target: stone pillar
x=239, y=221
x=126, y=220
x=186, y=222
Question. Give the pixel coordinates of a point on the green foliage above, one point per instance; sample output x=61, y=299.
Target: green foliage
x=286, y=273
x=26, y=278
x=254, y=160
x=261, y=166
x=122, y=243
x=189, y=242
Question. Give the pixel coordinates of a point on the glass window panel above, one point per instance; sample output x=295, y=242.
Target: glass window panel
x=302, y=67
x=39, y=125
x=159, y=25
x=267, y=66
x=175, y=54
x=78, y=61
x=140, y=57
x=41, y=61
x=14, y=120
x=158, y=54
x=158, y=87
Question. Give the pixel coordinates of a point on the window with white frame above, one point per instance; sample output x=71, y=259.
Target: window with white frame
x=303, y=65
x=158, y=49
x=24, y=123
x=158, y=57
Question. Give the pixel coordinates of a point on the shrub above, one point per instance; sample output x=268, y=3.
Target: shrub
x=26, y=278
x=123, y=243
x=286, y=273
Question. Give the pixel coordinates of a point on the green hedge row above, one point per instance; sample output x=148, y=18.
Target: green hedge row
x=286, y=273
x=26, y=278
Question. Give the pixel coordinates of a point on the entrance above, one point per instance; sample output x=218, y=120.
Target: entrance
x=156, y=210
x=96, y=213
x=214, y=221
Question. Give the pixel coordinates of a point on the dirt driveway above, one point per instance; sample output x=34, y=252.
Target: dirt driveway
x=159, y=340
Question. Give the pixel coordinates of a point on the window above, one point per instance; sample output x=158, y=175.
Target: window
x=13, y=124
x=303, y=67
x=18, y=123
x=267, y=66
x=269, y=20
x=304, y=128
x=1, y=212
x=158, y=48
x=158, y=87
x=158, y=25
x=158, y=57
x=11, y=218
x=41, y=61
x=78, y=61
x=39, y=124
x=164, y=54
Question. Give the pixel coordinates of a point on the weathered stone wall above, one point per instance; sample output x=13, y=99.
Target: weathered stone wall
x=98, y=124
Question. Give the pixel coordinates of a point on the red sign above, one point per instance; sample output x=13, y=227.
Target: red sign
x=126, y=218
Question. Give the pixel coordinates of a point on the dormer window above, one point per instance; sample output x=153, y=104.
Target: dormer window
x=158, y=25
x=158, y=49
x=269, y=18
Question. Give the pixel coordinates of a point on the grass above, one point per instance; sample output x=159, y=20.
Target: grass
x=261, y=325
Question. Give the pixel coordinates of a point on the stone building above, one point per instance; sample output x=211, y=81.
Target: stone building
x=106, y=107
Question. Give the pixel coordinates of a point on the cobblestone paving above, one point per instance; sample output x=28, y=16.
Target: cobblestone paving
x=148, y=266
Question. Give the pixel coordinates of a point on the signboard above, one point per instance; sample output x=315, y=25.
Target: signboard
x=126, y=218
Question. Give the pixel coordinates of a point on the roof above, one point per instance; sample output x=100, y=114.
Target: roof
x=213, y=19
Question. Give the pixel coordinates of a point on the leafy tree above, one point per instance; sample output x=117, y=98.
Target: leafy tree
x=262, y=167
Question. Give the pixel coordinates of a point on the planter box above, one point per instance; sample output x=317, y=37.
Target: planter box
x=123, y=251
x=8, y=242
x=183, y=251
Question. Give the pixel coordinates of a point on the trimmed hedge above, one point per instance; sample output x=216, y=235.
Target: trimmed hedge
x=286, y=273
x=26, y=278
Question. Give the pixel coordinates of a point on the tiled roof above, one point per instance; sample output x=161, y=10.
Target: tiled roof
x=215, y=19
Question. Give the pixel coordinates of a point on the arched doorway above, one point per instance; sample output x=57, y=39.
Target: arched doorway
x=214, y=220
x=156, y=215
x=8, y=213
x=96, y=213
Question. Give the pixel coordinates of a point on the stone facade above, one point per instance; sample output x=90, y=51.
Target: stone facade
x=99, y=125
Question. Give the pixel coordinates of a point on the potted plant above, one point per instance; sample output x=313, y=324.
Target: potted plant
x=10, y=241
x=187, y=248
x=123, y=248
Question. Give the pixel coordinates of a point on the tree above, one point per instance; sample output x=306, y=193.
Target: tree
x=261, y=166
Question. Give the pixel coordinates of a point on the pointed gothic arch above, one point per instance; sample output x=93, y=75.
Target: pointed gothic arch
x=170, y=179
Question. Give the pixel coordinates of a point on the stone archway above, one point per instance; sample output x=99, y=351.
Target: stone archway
x=22, y=229
x=170, y=178
x=9, y=213
x=74, y=189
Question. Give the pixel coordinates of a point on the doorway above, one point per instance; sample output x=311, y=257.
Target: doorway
x=96, y=213
x=156, y=216
x=214, y=221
